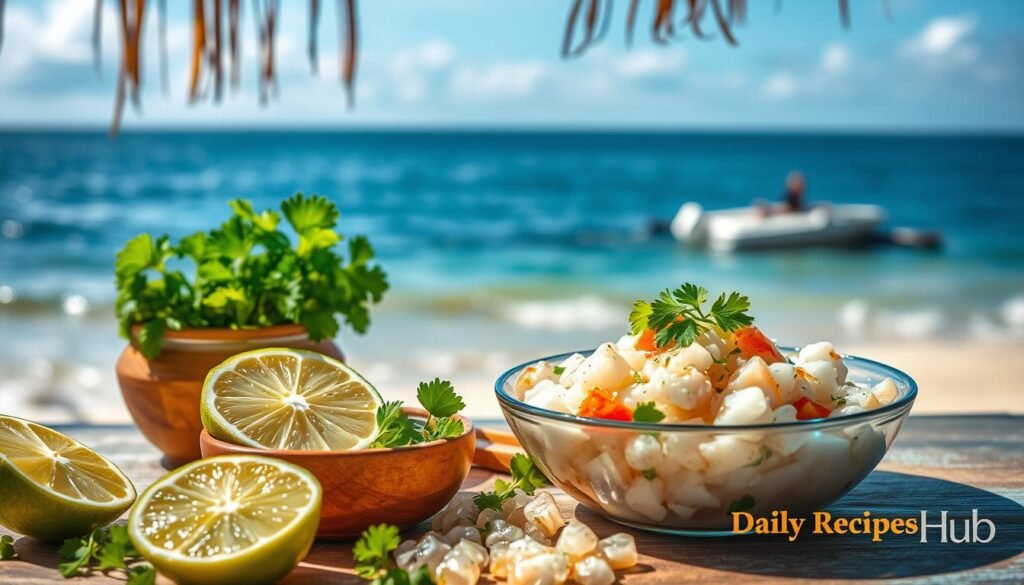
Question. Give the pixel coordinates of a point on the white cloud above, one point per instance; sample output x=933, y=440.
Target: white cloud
x=650, y=63
x=499, y=80
x=942, y=39
x=836, y=58
x=416, y=71
x=780, y=86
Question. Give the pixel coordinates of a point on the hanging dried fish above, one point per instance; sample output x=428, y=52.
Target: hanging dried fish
x=314, y=25
x=165, y=83
x=348, y=63
x=97, y=35
x=198, y=48
x=595, y=20
x=234, y=17
x=582, y=31
x=216, y=62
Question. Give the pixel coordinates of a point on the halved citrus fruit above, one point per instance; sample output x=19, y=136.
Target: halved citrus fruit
x=289, y=399
x=52, y=487
x=231, y=519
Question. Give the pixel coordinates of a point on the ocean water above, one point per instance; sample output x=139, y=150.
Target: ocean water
x=505, y=246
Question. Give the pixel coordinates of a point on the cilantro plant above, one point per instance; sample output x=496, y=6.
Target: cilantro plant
x=249, y=273
x=525, y=476
x=679, y=316
x=439, y=399
x=105, y=550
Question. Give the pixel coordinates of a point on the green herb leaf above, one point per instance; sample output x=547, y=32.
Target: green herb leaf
x=525, y=476
x=7, y=548
x=438, y=397
x=639, y=317
x=151, y=337
x=731, y=313
x=647, y=412
x=679, y=316
x=138, y=254
x=372, y=549
x=142, y=575
x=445, y=428
x=558, y=370
x=396, y=429
x=305, y=213
x=742, y=504
x=77, y=553
x=763, y=456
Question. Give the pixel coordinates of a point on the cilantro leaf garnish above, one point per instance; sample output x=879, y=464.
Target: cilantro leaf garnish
x=249, y=273
x=525, y=476
x=105, y=549
x=679, y=316
x=7, y=548
x=763, y=456
x=439, y=399
x=396, y=429
x=647, y=412
x=372, y=550
x=444, y=428
x=372, y=553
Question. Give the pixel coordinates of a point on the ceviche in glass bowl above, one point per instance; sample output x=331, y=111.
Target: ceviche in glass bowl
x=673, y=428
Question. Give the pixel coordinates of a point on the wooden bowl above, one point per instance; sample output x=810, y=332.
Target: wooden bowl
x=401, y=486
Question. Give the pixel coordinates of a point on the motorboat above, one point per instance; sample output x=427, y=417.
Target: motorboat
x=745, y=228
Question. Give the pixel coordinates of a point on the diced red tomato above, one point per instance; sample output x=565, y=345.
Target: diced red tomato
x=807, y=409
x=602, y=404
x=647, y=342
x=752, y=343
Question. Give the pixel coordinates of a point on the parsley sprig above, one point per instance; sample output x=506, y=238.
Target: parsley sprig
x=647, y=412
x=679, y=316
x=105, y=549
x=372, y=553
x=525, y=476
x=249, y=273
x=439, y=399
x=7, y=548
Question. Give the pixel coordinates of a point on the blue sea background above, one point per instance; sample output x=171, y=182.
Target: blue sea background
x=502, y=246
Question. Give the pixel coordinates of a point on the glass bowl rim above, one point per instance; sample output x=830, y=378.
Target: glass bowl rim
x=898, y=376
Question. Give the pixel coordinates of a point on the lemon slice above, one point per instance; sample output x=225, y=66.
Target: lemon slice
x=231, y=519
x=289, y=399
x=52, y=487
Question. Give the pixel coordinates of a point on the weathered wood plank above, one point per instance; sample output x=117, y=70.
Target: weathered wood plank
x=954, y=463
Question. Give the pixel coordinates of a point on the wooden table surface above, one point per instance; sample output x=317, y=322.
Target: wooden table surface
x=954, y=463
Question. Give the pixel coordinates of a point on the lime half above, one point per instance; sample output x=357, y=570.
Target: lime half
x=52, y=487
x=231, y=519
x=289, y=399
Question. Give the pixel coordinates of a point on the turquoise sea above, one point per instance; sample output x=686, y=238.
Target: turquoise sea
x=507, y=245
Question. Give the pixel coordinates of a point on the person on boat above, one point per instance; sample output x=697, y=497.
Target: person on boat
x=795, y=197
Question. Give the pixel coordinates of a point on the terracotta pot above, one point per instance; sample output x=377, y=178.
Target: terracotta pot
x=162, y=394
x=401, y=486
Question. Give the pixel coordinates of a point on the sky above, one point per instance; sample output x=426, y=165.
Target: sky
x=936, y=65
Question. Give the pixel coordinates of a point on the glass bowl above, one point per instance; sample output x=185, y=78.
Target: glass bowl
x=707, y=472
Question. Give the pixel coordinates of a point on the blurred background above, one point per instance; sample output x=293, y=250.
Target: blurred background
x=518, y=200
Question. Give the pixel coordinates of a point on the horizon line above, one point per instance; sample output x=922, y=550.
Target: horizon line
x=428, y=128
